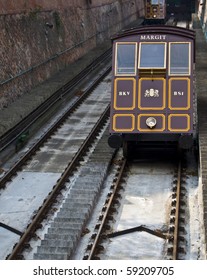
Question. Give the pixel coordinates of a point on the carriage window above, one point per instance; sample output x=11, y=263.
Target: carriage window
x=152, y=55
x=154, y=2
x=126, y=59
x=179, y=58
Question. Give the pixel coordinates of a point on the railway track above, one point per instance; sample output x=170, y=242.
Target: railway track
x=46, y=159
x=71, y=200
x=155, y=221
x=74, y=91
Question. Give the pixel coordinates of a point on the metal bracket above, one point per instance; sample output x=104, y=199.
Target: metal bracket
x=139, y=228
x=11, y=229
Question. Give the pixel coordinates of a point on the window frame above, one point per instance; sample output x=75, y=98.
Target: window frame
x=189, y=60
x=150, y=67
x=135, y=61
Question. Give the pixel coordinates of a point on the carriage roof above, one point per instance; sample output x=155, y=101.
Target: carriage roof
x=161, y=29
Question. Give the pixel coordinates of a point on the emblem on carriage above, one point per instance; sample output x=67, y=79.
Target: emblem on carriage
x=151, y=93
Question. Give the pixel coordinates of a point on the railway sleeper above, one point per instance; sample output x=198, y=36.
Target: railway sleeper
x=170, y=251
x=79, y=197
x=94, y=178
x=85, y=192
x=79, y=200
x=97, y=226
x=182, y=203
x=56, y=243
x=172, y=220
x=74, y=204
x=183, y=188
x=69, y=212
x=182, y=194
x=63, y=236
x=172, y=229
x=63, y=230
x=51, y=256
x=112, y=210
x=107, y=227
x=68, y=220
x=174, y=202
x=101, y=157
x=99, y=248
x=87, y=184
x=182, y=230
x=182, y=239
x=116, y=201
x=181, y=250
x=110, y=218
x=174, y=195
x=27, y=246
x=76, y=214
x=182, y=220
x=59, y=247
x=182, y=211
x=67, y=225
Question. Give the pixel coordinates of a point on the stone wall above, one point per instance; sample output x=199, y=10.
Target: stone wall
x=38, y=38
x=202, y=14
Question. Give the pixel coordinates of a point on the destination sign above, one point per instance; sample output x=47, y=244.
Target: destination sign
x=153, y=37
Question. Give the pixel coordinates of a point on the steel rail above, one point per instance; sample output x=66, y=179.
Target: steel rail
x=177, y=215
x=106, y=210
